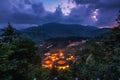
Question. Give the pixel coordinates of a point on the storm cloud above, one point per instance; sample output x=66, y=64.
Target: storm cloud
x=108, y=10
x=29, y=12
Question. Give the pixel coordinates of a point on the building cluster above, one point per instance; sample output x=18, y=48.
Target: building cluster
x=59, y=60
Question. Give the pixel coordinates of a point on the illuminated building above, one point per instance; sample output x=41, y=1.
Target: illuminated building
x=70, y=58
x=61, y=64
x=47, y=63
x=60, y=61
x=54, y=56
x=61, y=55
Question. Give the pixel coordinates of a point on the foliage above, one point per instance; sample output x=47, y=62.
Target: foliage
x=16, y=54
x=10, y=34
x=103, y=60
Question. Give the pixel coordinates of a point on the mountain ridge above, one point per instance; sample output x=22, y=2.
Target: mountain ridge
x=53, y=30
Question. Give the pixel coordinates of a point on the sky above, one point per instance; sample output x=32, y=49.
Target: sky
x=25, y=13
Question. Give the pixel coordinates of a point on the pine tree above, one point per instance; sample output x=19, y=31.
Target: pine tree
x=16, y=56
x=10, y=34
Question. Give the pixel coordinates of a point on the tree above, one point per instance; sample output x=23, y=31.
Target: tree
x=10, y=34
x=16, y=56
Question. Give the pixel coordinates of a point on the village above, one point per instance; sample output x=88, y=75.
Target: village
x=59, y=60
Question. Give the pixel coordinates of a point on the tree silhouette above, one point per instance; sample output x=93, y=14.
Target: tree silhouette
x=10, y=34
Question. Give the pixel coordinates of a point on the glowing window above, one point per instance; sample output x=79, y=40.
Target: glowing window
x=61, y=62
x=47, y=62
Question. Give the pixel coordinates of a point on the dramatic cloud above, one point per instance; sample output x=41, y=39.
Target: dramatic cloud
x=87, y=12
x=107, y=10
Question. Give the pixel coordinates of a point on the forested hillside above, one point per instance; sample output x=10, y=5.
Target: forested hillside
x=54, y=30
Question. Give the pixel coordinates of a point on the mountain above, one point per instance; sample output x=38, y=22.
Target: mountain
x=53, y=30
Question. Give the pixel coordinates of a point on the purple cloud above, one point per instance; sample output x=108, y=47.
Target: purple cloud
x=28, y=12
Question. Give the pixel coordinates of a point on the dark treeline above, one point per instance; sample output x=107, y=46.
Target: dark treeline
x=16, y=56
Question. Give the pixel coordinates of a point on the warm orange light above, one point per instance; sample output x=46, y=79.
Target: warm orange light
x=47, y=66
x=54, y=54
x=61, y=59
x=47, y=62
x=70, y=58
x=62, y=67
x=67, y=66
x=61, y=62
x=61, y=54
x=54, y=57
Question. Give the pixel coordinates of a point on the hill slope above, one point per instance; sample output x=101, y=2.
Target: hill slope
x=53, y=30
